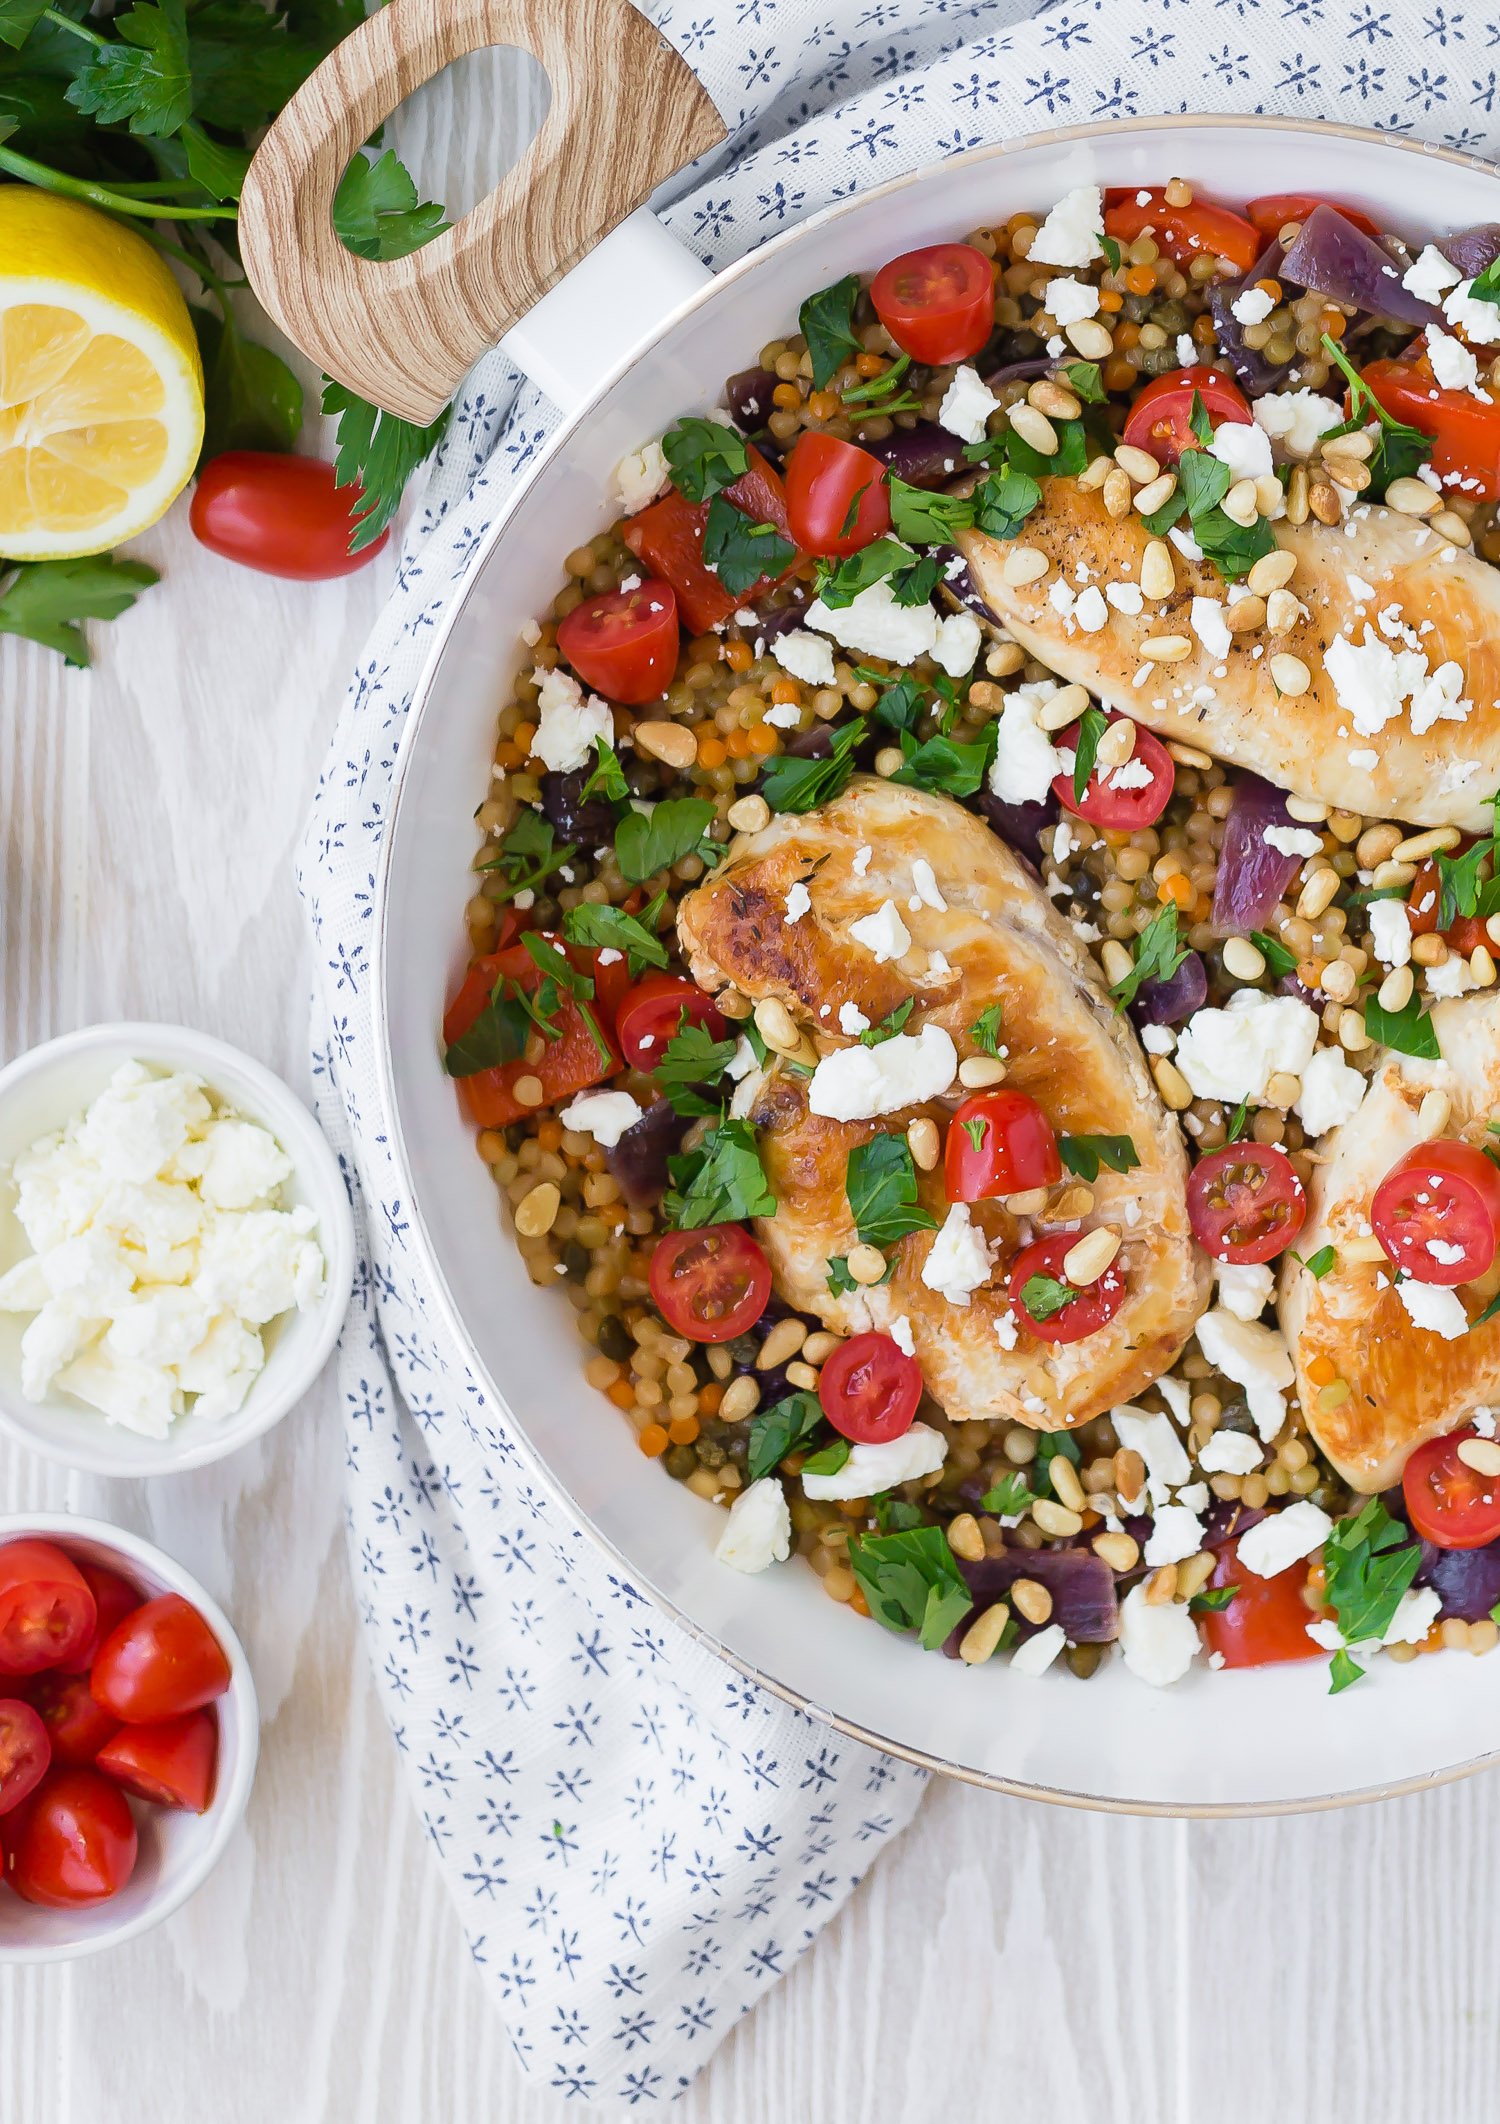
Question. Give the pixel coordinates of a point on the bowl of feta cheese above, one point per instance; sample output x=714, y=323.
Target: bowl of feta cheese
x=176, y=1249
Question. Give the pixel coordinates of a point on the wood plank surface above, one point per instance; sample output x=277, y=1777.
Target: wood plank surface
x=1004, y=1958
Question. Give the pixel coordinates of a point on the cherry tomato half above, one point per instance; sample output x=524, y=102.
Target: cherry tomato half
x=1265, y=1625
x=1450, y=1503
x=25, y=1751
x=1121, y=798
x=171, y=1763
x=76, y=1726
x=1245, y=1202
x=73, y=1842
x=1272, y=213
x=1424, y=903
x=624, y=643
x=999, y=1143
x=1161, y=418
x=1201, y=230
x=279, y=515
x=161, y=1662
x=668, y=537
x=1083, y=1313
x=836, y=496
x=710, y=1284
x=1465, y=431
x=114, y=1597
x=570, y=1063
x=1437, y=1212
x=869, y=1389
x=47, y=1612
x=938, y=304
x=651, y=1012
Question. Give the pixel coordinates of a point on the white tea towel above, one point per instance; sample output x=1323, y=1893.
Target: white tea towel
x=638, y=1841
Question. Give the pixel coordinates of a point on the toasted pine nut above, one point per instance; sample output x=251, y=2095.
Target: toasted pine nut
x=1240, y=504
x=1419, y=846
x=1273, y=571
x=749, y=814
x=1283, y=1089
x=1188, y=755
x=1307, y=811
x=1158, y=573
x=1323, y=502
x=741, y=1399
x=1086, y=1261
x=1339, y=980
x=866, y=1264
x=965, y=1539
x=979, y=1641
x=1358, y=445
x=1054, y=400
x=1065, y=1483
x=1362, y=1247
x=782, y=1343
x=1024, y=564
x=537, y=1211
x=1122, y=1552
x=1029, y=1203
x=1171, y=1083
x=1031, y=1599
x=1095, y=473
x=1063, y=707
x=1194, y=1572
x=1395, y=990
x=1004, y=658
x=1319, y=892
x=976, y=1071
x=1245, y=616
x=1290, y=674
x=820, y=1346
x=1161, y=1586
x=1436, y=1106
x=1297, y=496
x=923, y=1142
x=1034, y=428
x=803, y=1375
x=1091, y=339
x=1055, y=1519
x=528, y=1091
x=1482, y=966
x=1389, y=873
x=1141, y=466
x=1242, y=960
x=1352, y=1035
x=1480, y=1454
x=1450, y=525
x=1116, y=492
x=1429, y=950
x=1117, y=743
x=1130, y=1473
x=1413, y=497
x=1347, y=472
x=671, y=742
x=1166, y=648
x=775, y=1025
x=1150, y=498
x=1116, y=960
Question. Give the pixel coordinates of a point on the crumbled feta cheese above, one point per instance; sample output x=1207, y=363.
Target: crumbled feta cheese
x=1070, y=234
x=1283, y=1538
x=1175, y=1533
x=1439, y=699
x=605, y=1115
x=1416, y=1612
x=959, y=1259
x=860, y=1083
x=1159, y=1642
x=1243, y=447
x=1158, y=1039
x=798, y=901
x=1188, y=547
x=870, y=1469
x=1007, y=1329
x=758, y=1531
x=1390, y=931
x=1297, y=419
x=852, y=1020
x=1452, y=978
x=957, y=644
x=875, y=625
x=1244, y=1287
x=806, y=656
x=861, y=859
x=900, y=1333
x=1431, y=275
x=1230, y=1453
x=1331, y=1092
x=1154, y=1437
x=967, y=405
x=1126, y=598
x=1478, y=320
x=640, y=477
x=1025, y=759
x=1293, y=840
x=1090, y=610
x=1361, y=591
x=1068, y=300
x=1135, y=774
x=1452, y=363
x=1445, y=1253
x=1231, y=1054
x=1206, y=616
x=1036, y=1654
x=1364, y=759
x=1255, y=1358
x=1434, y=1306
x=569, y=725
x=235, y=1164
x=743, y=1060
x=1253, y=307
x=783, y=715
x=925, y=885
x=883, y=933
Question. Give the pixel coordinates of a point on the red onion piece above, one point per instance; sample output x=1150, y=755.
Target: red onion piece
x=1018, y=371
x=1252, y=372
x=924, y=456
x=1082, y=1586
x=1171, y=1001
x=639, y=1159
x=1333, y=258
x=1471, y=250
x=1018, y=825
x=749, y=398
x=1466, y=1580
x=959, y=583
x=1252, y=874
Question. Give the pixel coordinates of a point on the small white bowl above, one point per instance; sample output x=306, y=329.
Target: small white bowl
x=178, y=1850
x=43, y=1090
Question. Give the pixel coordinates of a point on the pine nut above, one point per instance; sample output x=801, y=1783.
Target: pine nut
x=1158, y=574
x=1246, y=616
x=537, y=1211
x=1094, y=473
x=1241, y=959
x=1032, y=1600
x=1160, y=491
x=1161, y=1586
x=1296, y=495
x=1492, y=928
x=1122, y=1552
x=1290, y=674
x=1116, y=492
x=1323, y=502
x=1116, y=961
x=976, y=1071
x=1429, y=950
x=1268, y=495
x=1117, y=743
x=1024, y=564
x=1436, y=840
x=1307, y=811
x=1086, y=1261
x=1240, y=504
x=1054, y=1519
x=1140, y=465
x=782, y=1343
x=866, y=1264
x=965, y=1539
x=1352, y=1035
x=1273, y=571
x=1065, y=1483
x=1188, y=755
x=774, y=1023
x=1029, y=1203
x=1166, y=648
x=667, y=741
x=1051, y=398
x=1358, y=446
x=820, y=1346
x=1034, y=428
x=1480, y=1454
x=1178, y=193
x=1091, y=339
x=1130, y=1473
x=749, y=814
x=1412, y=497
x=1395, y=990
x=924, y=1144
x=1389, y=873
x=1071, y=1204
x=1450, y=525
x=741, y=1399
x=1175, y=1090
x=802, y=1375
x=1347, y=472
x=1063, y=707
x=980, y=1640
x=1194, y=1572
x=1004, y=659
x=1319, y=892
x=1436, y=1106
x=1283, y=1089
x=1339, y=980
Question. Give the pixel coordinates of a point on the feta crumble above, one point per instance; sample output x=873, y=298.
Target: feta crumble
x=1431, y=275
x=1206, y=617
x=1452, y=363
x=967, y=405
x=1434, y=1306
x=1390, y=931
x=1253, y=307
x=1069, y=300
x=875, y=625
x=958, y=1261
x=860, y=1083
x=1293, y=840
x=808, y=657
x=1070, y=234
x=1255, y=1358
x=957, y=644
x=1026, y=760
x=1159, y=1643
x=882, y=933
x=1331, y=1094
x=1243, y=446
x=759, y=1528
x=798, y=901
x=569, y=724
x=1230, y=1453
x=604, y=1115
x=1232, y=1054
x=1283, y=1538
x=1297, y=420
x=870, y=1469
x=1036, y=1654
x=640, y=477
x=1245, y=1288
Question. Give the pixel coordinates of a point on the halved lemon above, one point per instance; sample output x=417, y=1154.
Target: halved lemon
x=101, y=387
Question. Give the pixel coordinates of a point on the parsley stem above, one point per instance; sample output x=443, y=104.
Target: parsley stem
x=198, y=266
x=100, y=195
x=79, y=29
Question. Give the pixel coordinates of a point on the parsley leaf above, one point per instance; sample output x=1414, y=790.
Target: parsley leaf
x=1055, y=1445
x=1237, y=1122
x=18, y=18
x=829, y=1460
x=611, y=929
x=691, y=1057
x=911, y=1581
x=1486, y=286
x=1092, y=725
x=529, y=854
x=840, y=1280
x=840, y=582
x=649, y=841
x=794, y=784
x=1279, y=961
x=1086, y=381
x=378, y=453
x=923, y=518
x=1409, y=1030
x=608, y=776
x=1399, y=449
x=1368, y=1564
x=985, y=1031
x=741, y=551
x=1009, y=1498
x=1112, y=254
x=826, y=321
x=44, y=601
x=252, y=400
x=1084, y=1155
x=945, y=764
x=1318, y=1264
x=721, y=1182
x=900, y=705
x=142, y=75
x=1043, y=1296
x=889, y=1026
x=377, y=212
x=1343, y=1672
x=893, y=1515
x=881, y=1183
x=497, y=1036
x=778, y=1430
x=1157, y=954
x=705, y=457
x=1005, y=501
x=1212, y=1600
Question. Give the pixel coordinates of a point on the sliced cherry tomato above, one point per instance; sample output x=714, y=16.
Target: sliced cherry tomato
x=869, y=1389
x=76, y=1726
x=570, y=1063
x=1465, y=431
x=1082, y=1313
x=1245, y=1202
x=938, y=304
x=114, y=1597
x=1450, y=1503
x=25, y=1751
x=1272, y=213
x=73, y=1842
x=279, y=515
x=1424, y=904
x=710, y=1284
x=651, y=1013
x=47, y=1612
x=836, y=495
x=668, y=537
x=171, y=1763
x=1123, y=799
x=1160, y=420
x=1201, y=230
x=624, y=643
x=1437, y=1212
x=999, y=1143
x=1265, y=1624
x=161, y=1662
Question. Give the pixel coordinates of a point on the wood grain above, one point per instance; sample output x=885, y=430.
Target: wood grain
x=1003, y=1958
x=626, y=113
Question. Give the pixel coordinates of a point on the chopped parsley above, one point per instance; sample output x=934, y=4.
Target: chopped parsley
x=794, y=784
x=779, y=1430
x=721, y=1182
x=1157, y=954
x=1084, y=1155
x=1212, y=1600
x=529, y=854
x=911, y=1581
x=649, y=841
x=985, y=1031
x=1368, y=1564
x=1092, y=725
x=890, y=1024
x=1005, y=501
x=880, y=1181
x=1086, y=381
x=913, y=577
x=1237, y=1122
x=893, y=1515
x=608, y=776
x=1202, y=483
x=878, y=390
x=497, y=1036
x=829, y=1460
x=1043, y=1296
x=974, y=1130
x=900, y=705
x=1409, y=1030
x=741, y=551
x=1317, y=1264
x=826, y=320
x=1279, y=961
x=690, y=1059
x=705, y=457
x=923, y=518
x=607, y=928
x=946, y=764
x=1009, y=1498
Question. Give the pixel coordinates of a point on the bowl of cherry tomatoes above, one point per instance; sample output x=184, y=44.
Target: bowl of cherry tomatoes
x=128, y=1736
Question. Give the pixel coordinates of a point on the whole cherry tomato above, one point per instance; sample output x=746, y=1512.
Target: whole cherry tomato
x=938, y=304
x=624, y=643
x=47, y=1612
x=1437, y=1212
x=1450, y=1503
x=1201, y=230
x=1245, y=1202
x=73, y=1841
x=1057, y=1310
x=999, y=1143
x=279, y=515
x=161, y=1662
x=710, y=1284
x=25, y=1751
x=1161, y=419
x=171, y=1763
x=869, y=1389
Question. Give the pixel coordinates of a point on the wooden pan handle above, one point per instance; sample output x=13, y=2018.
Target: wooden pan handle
x=626, y=113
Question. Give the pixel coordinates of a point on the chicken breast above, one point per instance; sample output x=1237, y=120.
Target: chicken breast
x=1406, y=1383
x=979, y=931
x=1378, y=572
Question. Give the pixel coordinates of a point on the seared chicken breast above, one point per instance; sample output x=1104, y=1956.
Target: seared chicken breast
x=1378, y=573
x=978, y=931
x=1406, y=1383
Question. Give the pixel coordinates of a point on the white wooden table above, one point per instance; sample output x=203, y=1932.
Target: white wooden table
x=1004, y=1959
